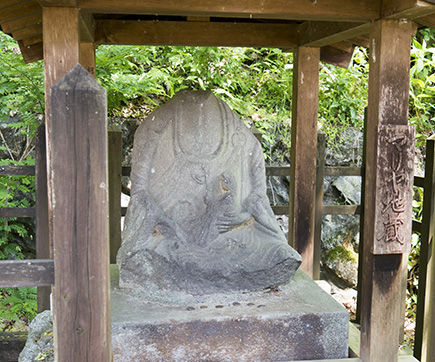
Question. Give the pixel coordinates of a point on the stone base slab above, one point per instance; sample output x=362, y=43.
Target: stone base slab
x=299, y=321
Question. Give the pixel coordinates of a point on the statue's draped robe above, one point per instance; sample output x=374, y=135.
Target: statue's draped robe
x=199, y=219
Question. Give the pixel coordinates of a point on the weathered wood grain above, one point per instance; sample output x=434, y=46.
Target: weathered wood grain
x=320, y=169
x=196, y=33
x=283, y=9
x=17, y=212
x=341, y=209
x=19, y=10
x=24, y=22
x=321, y=33
x=303, y=154
x=43, y=246
x=79, y=187
x=425, y=322
x=382, y=281
x=342, y=171
x=87, y=57
x=26, y=273
x=115, y=170
x=15, y=170
x=31, y=53
x=277, y=170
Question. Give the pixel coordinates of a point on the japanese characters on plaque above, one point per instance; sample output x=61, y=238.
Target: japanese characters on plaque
x=394, y=181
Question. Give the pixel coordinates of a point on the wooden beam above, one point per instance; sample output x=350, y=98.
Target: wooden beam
x=333, y=10
x=21, y=23
x=195, y=33
x=333, y=55
x=7, y=3
x=321, y=33
x=382, y=280
x=428, y=21
x=86, y=27
x=303, y=154
x=58, y=3
x=19, y=11
x=31, y=53
x=79, y=187
x=362, y=41
x=31, y=31
x=17, y=212
x=406, y=9
x=32, y=40
x=16, y=170
x=26, y=273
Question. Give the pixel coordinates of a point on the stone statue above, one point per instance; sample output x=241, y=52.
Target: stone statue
x=199, y=220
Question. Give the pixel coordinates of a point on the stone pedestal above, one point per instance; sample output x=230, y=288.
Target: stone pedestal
x=298, y=321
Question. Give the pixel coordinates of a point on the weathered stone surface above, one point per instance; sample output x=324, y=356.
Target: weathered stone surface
x=39, y=345
x=298, y=321
x=199, y=220
x=343, y=262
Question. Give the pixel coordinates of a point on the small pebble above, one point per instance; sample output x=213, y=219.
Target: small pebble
x=203, y=307
x=236, y=304
x=219, y=306
x=190, y=308
x=250, y=304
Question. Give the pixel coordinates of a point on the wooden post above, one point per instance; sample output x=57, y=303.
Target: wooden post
x=43, y=247
x=115, y=171
x=87, y=57
x=60, y=28
x=320, y=175
x=424, y=348
x=382, y=307
x=79, y=185
x=361, y=225
x=303, y=154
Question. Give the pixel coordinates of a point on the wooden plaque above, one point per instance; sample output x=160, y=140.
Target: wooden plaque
x=394, y=181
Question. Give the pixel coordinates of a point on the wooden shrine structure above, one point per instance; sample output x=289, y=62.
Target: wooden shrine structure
x=66, y=32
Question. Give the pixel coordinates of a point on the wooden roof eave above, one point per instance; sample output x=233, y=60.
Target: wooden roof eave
x=315, y=24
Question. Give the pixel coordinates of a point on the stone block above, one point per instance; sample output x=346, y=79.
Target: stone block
x=297, y=321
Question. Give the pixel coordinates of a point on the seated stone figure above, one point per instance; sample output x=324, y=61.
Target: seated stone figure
x=199, y=220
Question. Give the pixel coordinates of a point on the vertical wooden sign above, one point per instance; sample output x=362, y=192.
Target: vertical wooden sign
x=393, y=222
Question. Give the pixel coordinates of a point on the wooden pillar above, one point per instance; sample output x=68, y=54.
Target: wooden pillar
x=320, y=175
x=80, y=218
x=87, y=57
x=303, y=154
x=43, y=248
x=382, y=282
x=76, y=137
x=425, y=325
x=115, y=186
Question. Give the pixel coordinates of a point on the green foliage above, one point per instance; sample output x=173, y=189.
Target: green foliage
x=18, y=303
x=422, y=89
x=343, y=96
x=21, y=91
x=256, y=83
